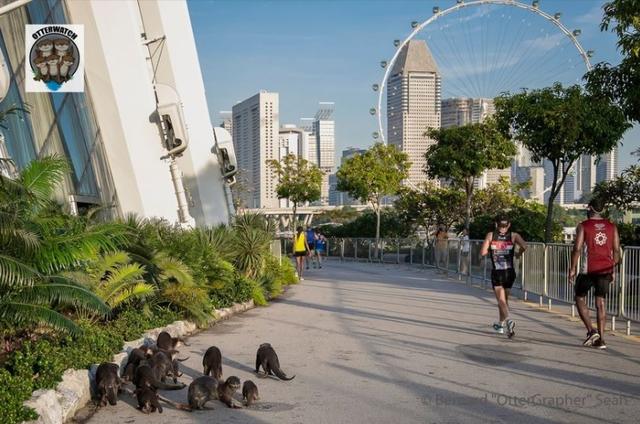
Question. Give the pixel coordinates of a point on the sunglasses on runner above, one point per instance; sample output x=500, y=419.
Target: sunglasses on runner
x=503, y=224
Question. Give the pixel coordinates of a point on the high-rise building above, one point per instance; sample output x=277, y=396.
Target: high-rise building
x=291, y=140
x=322, y=146
x=119, y=158
x=227, y=120
x=462, y=111
x=255, y=139
x=607, y=166
x=413, y=105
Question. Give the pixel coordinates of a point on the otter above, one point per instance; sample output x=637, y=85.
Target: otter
x=136, y=356
x=268, y=359
x=108, y=383
x=166, y=342
x=146, y=377
x=250, y=392
x=226, y=391
x=212, y=362
x=65, y=67
x=61, y=46
x=53, y=68
x=148, y=400
x=202, y=390
x=45, y=48
x=43, y=68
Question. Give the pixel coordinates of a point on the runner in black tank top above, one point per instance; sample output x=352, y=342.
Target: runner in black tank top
x=501, y=245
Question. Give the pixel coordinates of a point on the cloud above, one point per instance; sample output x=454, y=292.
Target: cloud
x=593, y=16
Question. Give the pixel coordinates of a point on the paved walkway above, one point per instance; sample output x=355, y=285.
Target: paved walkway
x=389, y=344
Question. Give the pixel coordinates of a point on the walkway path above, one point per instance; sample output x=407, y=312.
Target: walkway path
x=389, y=344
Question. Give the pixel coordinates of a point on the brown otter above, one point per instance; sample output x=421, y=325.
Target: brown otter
x=136, y=356
x=108, y=383
x=268, y=359
x=148, y=400
x=146, y=376
x=166, y=342
x=226, y=391
x=202, y=390
x=212, y=362
x=250, y=392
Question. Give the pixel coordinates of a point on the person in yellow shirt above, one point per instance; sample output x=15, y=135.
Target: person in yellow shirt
x=300, y=250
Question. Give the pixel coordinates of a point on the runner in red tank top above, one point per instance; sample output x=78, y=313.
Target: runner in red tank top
x=598, y=239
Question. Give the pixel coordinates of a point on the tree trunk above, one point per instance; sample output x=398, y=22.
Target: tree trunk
x=552, y=197
x=469, y=193
x=293, y=224
x=377, y=209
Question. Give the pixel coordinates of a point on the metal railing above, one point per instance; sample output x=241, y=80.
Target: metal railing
x=541, y=271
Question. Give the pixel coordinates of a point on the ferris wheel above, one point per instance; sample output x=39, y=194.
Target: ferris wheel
x=487, y=47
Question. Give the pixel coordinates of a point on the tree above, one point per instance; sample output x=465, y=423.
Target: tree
x=298, y=180
x=38, y=243
x=621, y=192
x=430, y=205
x=560, y=124
x=373, y=175
x=498, y=196
x=463, y=153
x=621, y=83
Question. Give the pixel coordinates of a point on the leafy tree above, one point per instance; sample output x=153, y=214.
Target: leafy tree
x=338, y=215
x=391, y=225
x=38, y=243
x=298, y=180
x=497, y=197
x=373, y=175
x=560, y=124
x=621, y=83
x=430, y=206
x=527, y=219
x=621, y=192
x=463, y=153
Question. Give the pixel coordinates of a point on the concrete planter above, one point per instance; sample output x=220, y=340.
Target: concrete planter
x=74, y=391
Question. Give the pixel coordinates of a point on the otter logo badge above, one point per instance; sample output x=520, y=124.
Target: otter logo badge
x=54, y=58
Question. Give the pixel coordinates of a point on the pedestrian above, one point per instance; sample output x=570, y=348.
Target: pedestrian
x=501, y=244
x=598, y=239
x=441, y=243
x=320, y=247
x=464, y=252
x=311, y=241
x=300, y=250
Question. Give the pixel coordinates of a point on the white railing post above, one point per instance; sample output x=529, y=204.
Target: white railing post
x=623, y=285
x=355, y=250
x=398, y=251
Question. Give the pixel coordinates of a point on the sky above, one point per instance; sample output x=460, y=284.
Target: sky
x=312, y=51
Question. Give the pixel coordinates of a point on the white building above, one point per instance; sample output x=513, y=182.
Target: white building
x=256, y=126
x=462, y=111
x=607, y=166
x=340, y=198
x=413, y=105
x=294, y=141
x=118, y=134
x=322, y=146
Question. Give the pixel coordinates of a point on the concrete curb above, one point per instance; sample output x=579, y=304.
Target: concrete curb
x=59, y=405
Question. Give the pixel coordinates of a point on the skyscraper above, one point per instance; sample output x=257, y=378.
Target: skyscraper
x=462, y=111
x=255, y=140
x=607, y=166
x=322, y=146
x=413, y=104
x=340, y=198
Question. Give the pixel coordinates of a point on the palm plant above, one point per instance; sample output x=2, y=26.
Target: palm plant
x=253, y=235
x=37, y=243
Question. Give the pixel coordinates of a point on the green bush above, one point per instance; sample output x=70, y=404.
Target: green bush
x=14, y=390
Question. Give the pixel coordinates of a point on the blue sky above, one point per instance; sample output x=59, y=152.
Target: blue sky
x=330, y=50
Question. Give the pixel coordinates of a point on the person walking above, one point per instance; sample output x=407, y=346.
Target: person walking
x=311, y=242
x=320, y=248
x=464, y=252
x=441, y=243
x=300, y=250
x=501, y=244
x=598, y=239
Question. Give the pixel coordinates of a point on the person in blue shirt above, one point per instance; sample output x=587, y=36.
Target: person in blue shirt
x=321, y=248
x=311, y=241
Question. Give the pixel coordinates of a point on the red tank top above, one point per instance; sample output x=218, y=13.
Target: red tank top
x=598, y=246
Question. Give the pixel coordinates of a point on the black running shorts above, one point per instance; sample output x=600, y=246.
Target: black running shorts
x=302, y=253
x=503, y=277
x=601, y=282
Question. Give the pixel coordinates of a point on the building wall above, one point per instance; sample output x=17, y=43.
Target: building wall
x=255, y=140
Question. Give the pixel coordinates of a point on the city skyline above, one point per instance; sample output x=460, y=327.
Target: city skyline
x=336, y=58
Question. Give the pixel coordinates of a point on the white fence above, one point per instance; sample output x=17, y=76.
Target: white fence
x=542, y=270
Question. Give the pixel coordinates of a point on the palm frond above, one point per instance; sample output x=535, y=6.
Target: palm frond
x=41, y=176
x=19, y=239
x=19, y=314
x=64, y=291
x=119, y=280
x=173, y=269
x=13, y=272
x=137, y=292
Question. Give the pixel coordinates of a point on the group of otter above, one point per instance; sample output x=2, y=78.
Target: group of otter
x=54, y=60
x=149, y=367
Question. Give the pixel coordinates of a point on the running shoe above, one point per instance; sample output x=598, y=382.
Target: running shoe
x=599, y=344
x=498, y=328
x=511, y=328
x=592, y=336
